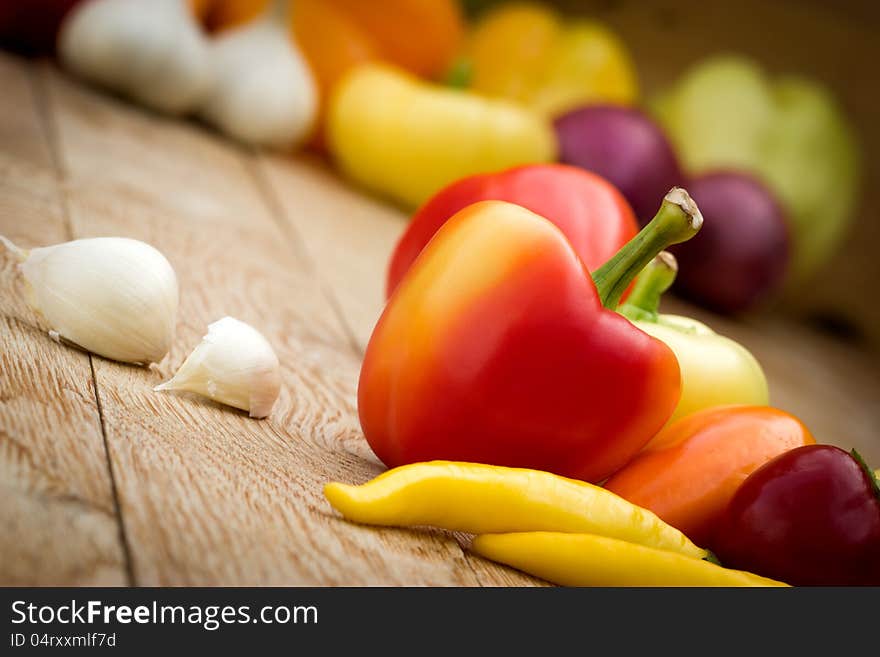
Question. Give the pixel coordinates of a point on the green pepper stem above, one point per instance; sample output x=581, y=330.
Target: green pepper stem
x=872, y=476
x=677, y=220
x=459, y=74
x=643, y=301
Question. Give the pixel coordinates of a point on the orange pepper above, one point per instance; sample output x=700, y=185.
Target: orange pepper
x=200, y=8
x=329, y=58
x=421, y=36
x=218, y=15
x=689, y=471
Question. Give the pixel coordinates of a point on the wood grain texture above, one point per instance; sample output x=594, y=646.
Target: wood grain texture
x=209, y=496
x=56, y=504
x=349, y=235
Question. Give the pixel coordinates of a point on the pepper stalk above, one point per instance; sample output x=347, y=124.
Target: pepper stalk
x=643, y=301
x=677, y=220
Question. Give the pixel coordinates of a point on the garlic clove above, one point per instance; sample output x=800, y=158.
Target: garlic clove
x=264, y=92
x=113, y=296
x=153, y=52
x=233, y=364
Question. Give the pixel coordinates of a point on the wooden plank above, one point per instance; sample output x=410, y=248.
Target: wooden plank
x=209, y=496
x=350, y=235
x=57, y=512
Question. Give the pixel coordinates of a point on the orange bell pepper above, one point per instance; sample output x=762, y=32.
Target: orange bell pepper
x=421, y=36
x=201, y=8
x=689, y=471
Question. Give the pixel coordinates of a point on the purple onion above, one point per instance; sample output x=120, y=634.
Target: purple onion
x=741, y=253
x=624, y=146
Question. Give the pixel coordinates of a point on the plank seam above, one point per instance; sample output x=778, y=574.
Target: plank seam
x=123, y=535
x=294, y=238
x=43, y=100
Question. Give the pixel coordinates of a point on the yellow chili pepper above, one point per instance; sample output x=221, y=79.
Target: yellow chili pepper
x=589, y=560
x=483, y=499
x=406, y=138
x=524, y=52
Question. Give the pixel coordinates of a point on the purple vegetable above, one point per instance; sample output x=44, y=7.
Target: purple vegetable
x=740, y=254
x=625, y=147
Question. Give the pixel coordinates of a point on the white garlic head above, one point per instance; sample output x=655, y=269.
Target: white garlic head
x=234, y=365
x=264, y=93
x=153, y=52
x=113, y=296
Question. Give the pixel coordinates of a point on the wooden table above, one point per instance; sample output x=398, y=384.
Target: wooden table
x=104, y=482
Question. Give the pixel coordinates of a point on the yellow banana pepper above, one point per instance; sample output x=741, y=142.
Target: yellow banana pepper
x=480, y=499
x=406, y=138
x=524, y=52
x=590, y=560
x=715, y=370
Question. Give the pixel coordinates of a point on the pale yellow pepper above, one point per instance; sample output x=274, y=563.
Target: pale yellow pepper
x=406, y=138
x=591, y=560
x=480, y=499
x=525, y=52
x=715, y=370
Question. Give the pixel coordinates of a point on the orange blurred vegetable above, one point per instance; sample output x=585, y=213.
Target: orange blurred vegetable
x=528, y=52
x=420, y=36
x=200, y=8
x=689, y=472
x=332, y=44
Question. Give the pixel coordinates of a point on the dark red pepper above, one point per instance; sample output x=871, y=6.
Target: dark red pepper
x=811, y=516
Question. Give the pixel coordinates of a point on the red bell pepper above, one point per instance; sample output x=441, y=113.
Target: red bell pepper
x=592, y=213
x=499, y=348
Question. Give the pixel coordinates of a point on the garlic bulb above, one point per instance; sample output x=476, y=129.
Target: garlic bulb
x=153, y=52
x=113, y=296
x=233, y=364
x=264, y=93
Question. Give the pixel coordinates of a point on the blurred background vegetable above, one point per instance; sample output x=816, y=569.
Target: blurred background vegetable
x=31, y=26
x=336, y=35
x=406, y=138
x=742, y=254
x=625, y=146
x=789, y=131
x=152, y=52
x=529, y=53
x=263, y=92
